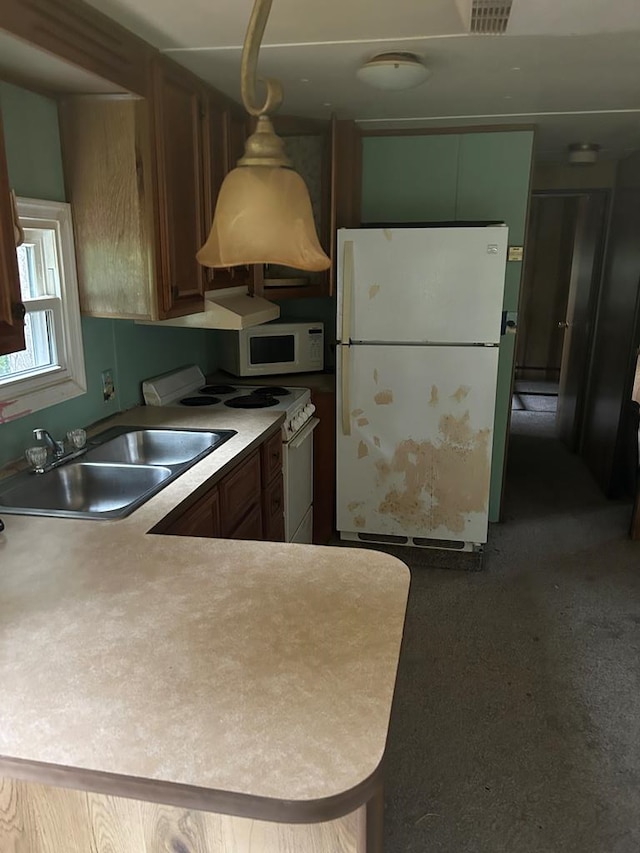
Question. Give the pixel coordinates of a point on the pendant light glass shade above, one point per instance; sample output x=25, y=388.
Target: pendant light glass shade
x=263, y=215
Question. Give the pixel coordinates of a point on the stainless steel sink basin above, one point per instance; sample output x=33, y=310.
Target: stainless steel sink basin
x=156, y=447
x=122, y=468
x=87, y=488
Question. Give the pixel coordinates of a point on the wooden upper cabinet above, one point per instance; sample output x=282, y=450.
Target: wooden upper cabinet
x=329, y=159
x=135, y=176
x=180, y=116
x=11, y=307
x=78, y=33
x=226, y=131
x=346, y=184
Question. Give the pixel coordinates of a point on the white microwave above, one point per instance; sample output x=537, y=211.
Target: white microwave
x=273, y=348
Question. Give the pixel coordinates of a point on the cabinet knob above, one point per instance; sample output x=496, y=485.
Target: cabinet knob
x=18, y=311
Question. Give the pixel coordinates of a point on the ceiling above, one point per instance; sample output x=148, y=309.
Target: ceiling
x=569, y=66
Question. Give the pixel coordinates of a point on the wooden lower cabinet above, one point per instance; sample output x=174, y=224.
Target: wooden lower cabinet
x=273, y=510
x=240, y=494
x=248, y=503
x=250, y=527
x=201, y=519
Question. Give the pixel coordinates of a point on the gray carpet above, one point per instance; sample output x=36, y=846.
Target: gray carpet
x=534, y=402
x=516, y=725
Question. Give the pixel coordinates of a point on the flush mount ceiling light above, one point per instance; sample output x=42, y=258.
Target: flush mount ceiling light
x=263, y=214
x=393, y=71
x=583, y=153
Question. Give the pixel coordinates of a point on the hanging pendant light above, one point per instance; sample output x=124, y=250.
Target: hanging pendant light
x=263, y=214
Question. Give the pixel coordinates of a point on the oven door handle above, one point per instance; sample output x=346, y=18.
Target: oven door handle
x=300, y=437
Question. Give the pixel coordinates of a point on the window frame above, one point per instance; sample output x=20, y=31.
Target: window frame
x=67, y=379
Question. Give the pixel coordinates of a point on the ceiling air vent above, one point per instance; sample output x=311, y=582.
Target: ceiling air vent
x=490, y=17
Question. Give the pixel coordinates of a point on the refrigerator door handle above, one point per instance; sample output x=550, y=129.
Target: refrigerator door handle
x=344, y=389
x=347, y=290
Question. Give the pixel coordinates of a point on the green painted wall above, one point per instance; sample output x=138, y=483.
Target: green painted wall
x=132, y=352
x=458, y=176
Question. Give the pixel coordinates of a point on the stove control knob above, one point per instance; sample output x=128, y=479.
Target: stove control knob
x=310, y=408
x=297, y=422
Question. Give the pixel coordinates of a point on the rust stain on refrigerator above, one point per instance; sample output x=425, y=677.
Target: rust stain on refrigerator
x=384, y=398
x=461, y=393
x=437, y=484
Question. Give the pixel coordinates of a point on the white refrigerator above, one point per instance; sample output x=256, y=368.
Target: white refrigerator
x=418, y=331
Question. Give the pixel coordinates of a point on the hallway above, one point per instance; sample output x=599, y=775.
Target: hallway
x=516, y=725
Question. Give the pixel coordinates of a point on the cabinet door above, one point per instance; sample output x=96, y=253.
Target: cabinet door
x=180, y=112
x=201, y=519
x=272, y=458
x=307, y=144
x=240, y=493
x=273, y=510
x=250, y=527
x=345, y=186
x=109, y=176
x=11, y=307
x=223, y=146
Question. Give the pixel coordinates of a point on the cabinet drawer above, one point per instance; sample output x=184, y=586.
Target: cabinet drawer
x=250, y=527
x=273, y=510
x=271, y=458
x=239, y=492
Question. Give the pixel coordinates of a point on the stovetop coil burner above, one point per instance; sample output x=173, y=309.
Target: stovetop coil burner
x=251, y=401
x=199, y=401
x=271, y=391
x=217, y=389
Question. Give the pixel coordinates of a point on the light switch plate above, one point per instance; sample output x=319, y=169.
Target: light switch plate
x=516, y=253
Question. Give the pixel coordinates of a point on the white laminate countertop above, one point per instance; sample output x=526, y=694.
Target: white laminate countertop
x=262, y=669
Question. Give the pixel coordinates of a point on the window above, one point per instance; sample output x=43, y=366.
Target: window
x=51, y=368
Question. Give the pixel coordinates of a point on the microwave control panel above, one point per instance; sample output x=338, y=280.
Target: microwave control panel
x=316, y=345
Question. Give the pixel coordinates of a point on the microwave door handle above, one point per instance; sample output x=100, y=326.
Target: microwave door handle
x=344, y=389
x=347, y=289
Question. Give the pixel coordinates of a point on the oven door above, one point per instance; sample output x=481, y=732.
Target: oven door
x=298, y=483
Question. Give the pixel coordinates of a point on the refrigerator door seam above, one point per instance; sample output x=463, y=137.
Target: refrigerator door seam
x=425, y=343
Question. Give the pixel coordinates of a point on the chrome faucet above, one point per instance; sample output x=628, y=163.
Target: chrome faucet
x=56, y=447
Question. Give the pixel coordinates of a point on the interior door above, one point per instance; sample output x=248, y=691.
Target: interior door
x=577, y=324
x=414, y=438
x=439, y=285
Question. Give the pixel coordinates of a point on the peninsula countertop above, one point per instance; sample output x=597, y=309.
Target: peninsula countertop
x=187, y=670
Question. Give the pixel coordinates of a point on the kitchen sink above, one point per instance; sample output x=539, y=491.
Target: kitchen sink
x=155, y=447
x=122, y=468
x=86, y=488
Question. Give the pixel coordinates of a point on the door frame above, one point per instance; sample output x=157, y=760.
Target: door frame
x=604, y=196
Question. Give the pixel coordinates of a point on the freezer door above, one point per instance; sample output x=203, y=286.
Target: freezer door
x=439, y=285
x=414, y=436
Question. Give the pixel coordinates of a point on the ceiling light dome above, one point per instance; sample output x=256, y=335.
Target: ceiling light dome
x=583, y=153
x=393, y=71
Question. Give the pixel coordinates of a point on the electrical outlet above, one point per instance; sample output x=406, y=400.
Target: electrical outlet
x=108, y=388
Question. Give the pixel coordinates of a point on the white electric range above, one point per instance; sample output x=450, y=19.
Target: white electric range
x=188, y=387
